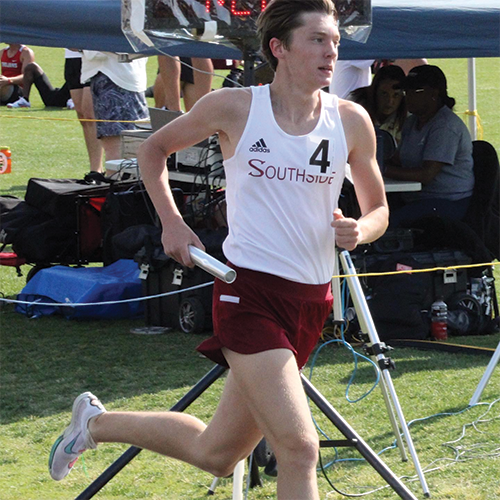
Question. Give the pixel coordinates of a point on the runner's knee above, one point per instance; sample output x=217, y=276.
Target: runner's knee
x=298, y=452
x=221, y=460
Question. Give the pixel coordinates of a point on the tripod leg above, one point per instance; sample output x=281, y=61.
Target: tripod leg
x=211, y=490
x=406, y=432
x=392, y=418
x=253, y=478
x=358, y=304
x=238, y=474
x=486, y=377
x=366, y=452
x=201, y=386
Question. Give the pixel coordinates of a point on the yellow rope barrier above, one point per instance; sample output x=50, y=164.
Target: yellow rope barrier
x=479, y=125
x=387, y=273
x=480, y=129
x=411, y=271
x=70, y=119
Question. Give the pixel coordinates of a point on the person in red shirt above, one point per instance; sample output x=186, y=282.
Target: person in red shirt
x=14, y=59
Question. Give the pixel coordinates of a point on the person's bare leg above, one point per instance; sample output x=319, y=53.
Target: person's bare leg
x=6, y=92
x=271, y=382
x=94, y=145
x=159, y=92
x=82, y=99
x=112, y=150
x=217, y=448
x=263, y=394
x=170, y=72
x=202, y=75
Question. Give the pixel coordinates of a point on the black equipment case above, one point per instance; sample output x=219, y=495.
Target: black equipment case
x=191, y=310
x=60, y=220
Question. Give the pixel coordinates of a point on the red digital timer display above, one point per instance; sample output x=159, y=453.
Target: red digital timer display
x=235, y=7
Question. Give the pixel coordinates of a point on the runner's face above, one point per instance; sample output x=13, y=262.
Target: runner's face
x=313, y=49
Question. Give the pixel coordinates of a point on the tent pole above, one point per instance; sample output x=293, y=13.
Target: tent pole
x=471, y=74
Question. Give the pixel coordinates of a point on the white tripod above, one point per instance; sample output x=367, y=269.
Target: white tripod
x=376, y=350
x=486, y=377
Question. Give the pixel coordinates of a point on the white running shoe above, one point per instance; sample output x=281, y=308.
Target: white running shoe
x=20, y=103
x=76, y=438
x=70, y=104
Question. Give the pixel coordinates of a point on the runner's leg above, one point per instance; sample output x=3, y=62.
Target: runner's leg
x=270, y=382
x=263, y=393
x=217, y=448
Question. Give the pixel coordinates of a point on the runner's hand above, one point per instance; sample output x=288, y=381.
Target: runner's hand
x=176, y=238
x=347, y=232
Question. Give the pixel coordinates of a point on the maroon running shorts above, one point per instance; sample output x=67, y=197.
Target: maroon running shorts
x=260, y=312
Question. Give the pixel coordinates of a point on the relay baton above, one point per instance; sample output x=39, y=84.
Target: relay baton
x=212, y=265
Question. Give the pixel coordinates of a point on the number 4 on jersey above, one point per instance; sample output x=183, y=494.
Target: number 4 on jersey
x=321, y=150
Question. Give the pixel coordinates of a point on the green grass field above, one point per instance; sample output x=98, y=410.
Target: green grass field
x=45, y=363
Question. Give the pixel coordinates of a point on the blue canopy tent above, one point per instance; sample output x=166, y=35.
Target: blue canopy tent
x=400, y=29
x=430, y=28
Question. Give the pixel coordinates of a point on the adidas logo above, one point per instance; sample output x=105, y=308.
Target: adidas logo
x=259, y=147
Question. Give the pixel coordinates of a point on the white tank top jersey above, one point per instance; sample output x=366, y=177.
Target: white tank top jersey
x=282, y=191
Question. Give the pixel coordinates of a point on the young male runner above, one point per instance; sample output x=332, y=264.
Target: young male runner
x=285, y=147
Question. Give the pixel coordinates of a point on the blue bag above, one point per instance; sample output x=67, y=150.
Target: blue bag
x=68, y=285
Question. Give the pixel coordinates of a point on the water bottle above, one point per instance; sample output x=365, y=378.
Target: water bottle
x=439, y=319
x=5, y=160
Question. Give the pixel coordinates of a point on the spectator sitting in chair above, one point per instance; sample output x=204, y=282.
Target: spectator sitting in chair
x=435, y=149
x=14, y=60
x=384, y=100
